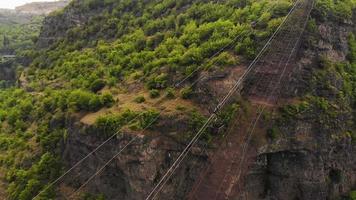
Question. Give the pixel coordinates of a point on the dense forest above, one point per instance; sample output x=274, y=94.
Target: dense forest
x=150, y=45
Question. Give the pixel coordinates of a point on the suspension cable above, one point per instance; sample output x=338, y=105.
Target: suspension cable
x=181, y=157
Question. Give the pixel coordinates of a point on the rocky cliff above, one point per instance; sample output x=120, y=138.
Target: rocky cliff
x=309, y=159
x=314, y=157
x=99, y=63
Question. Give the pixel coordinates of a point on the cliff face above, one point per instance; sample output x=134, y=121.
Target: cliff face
x=55, y=27
x=132, y=175
x=311, y=159
x=306, y=162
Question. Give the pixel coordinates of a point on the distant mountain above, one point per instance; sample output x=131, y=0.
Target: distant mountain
x=40, y=8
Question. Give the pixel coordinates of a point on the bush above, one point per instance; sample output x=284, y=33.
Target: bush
x=97, y=85
x=82, y=100
x=170, y=93
x=154, y=93
x=157, y=82
x=148, y=118
x=107, y=99
x=140, y=99
x=186, y=92
x=110, y=124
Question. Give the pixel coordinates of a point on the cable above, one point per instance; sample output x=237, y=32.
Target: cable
x=215, y=157
x=135, y=118
x=111, y=137
x=177, y=85
x=108, y=162
x=168, y=174
x=251, y=124
x=263, y=107
x=250, y=129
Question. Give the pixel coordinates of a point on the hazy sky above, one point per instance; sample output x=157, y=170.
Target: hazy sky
x=14, y=3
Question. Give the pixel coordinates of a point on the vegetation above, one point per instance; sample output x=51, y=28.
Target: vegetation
x=327, y=102
x=110, y=124
x=20, y=34
x=140, y=99
x=335, y=9
x=166, y=39
x=352, y=195
x=144, y=43
x=154, y=93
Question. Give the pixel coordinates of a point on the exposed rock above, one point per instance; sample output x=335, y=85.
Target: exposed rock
x=55, y=27
x=303, y=165
x=133, y=174
x=308, y=161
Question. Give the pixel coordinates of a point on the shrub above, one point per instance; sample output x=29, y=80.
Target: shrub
x=107, y=99
x=97, y=85
x=82, y=100
x=140, y=99
x=170, y=93
x=110, y=124
x=157, y=82
x=186, y=92
x=148, y=118
x=154, y=93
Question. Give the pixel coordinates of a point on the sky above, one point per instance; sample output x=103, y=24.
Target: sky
x=13, y=3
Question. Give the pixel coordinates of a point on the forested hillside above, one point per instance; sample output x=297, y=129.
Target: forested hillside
x=19, y=31
x=98, y=64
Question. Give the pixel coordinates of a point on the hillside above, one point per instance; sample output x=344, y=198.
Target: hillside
x=22, y=25
x=19, y=30
x=108, y=70
x=41, y=8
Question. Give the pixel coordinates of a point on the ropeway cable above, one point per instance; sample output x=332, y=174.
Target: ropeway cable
x=263, y=107
x=132, y=120
x=250, y=130
x=214, y=159
x=136, y=137
x=181, y=157
x=281, y=61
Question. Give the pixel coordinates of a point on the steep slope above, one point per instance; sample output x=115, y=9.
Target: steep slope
x=312, y=142
x=101, y=66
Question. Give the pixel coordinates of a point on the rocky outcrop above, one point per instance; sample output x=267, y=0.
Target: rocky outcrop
x=56, y=26
x=134, y=173
x=317, y=168
x=309, y=161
